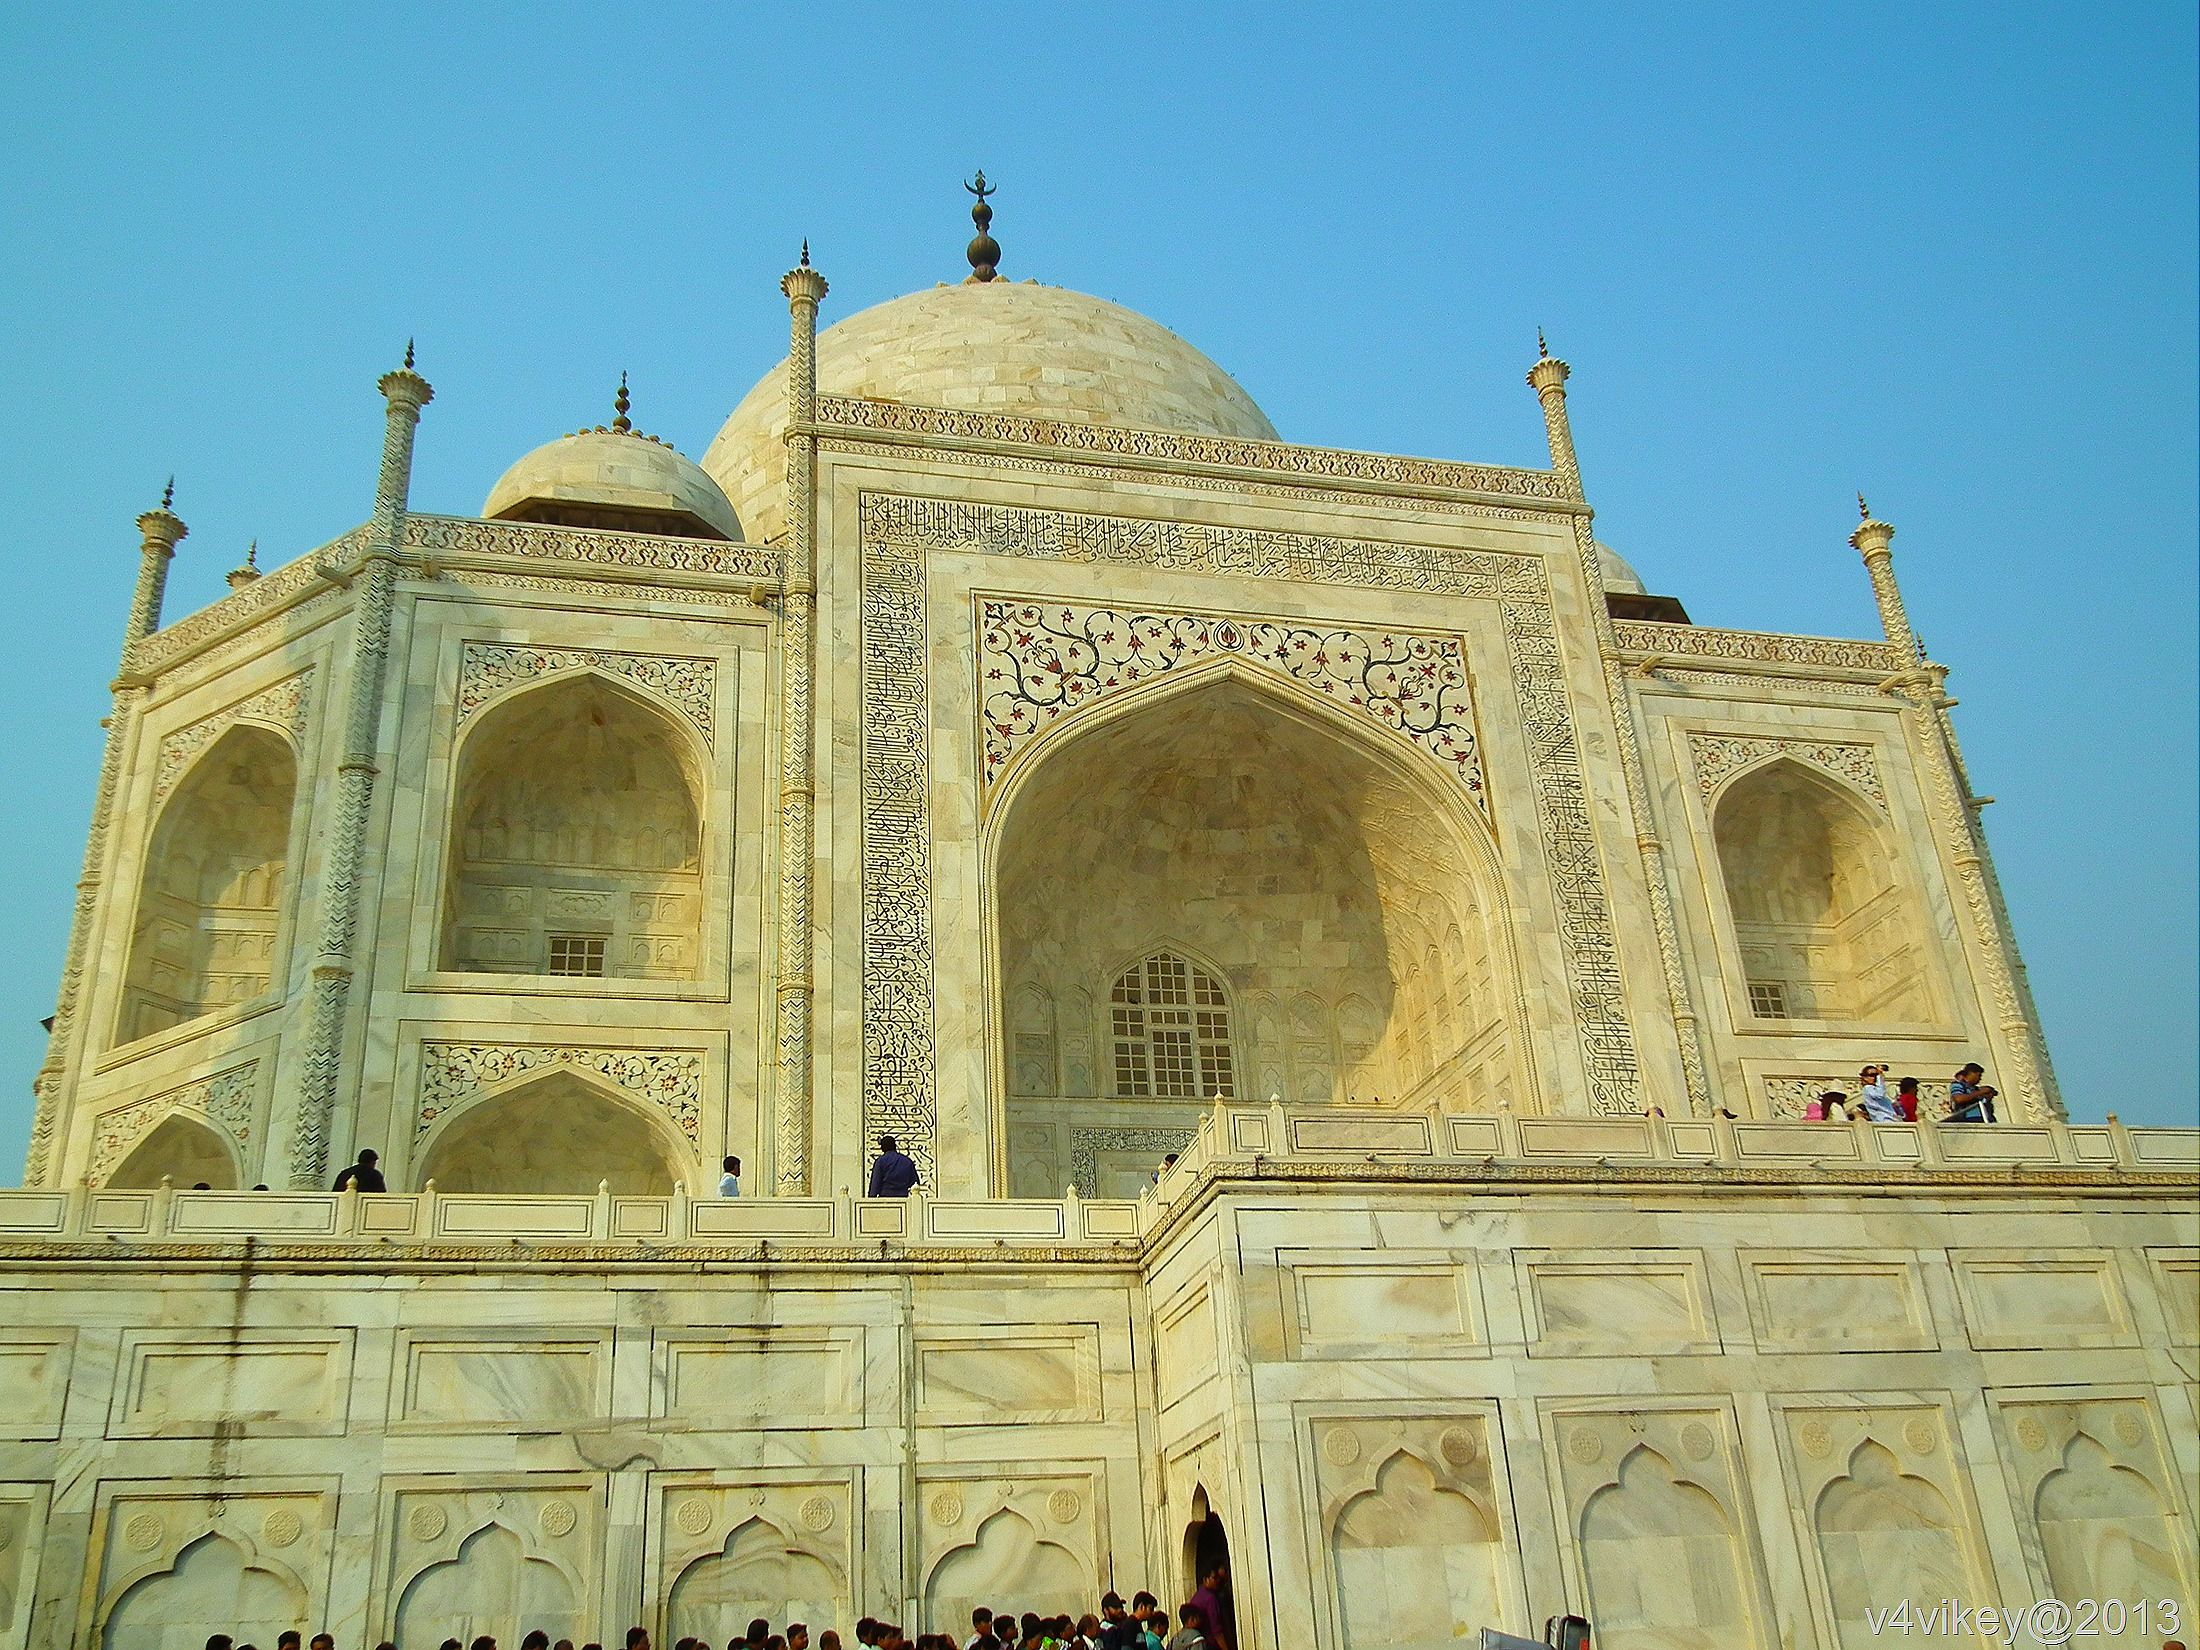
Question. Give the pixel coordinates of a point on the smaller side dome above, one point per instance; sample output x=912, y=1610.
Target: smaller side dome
x=1617, y=574
x=614, y=477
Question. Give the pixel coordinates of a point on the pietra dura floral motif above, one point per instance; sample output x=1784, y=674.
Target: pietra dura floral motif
x=1039, y=661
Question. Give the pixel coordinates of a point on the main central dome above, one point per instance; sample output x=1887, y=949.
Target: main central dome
x=988, y=346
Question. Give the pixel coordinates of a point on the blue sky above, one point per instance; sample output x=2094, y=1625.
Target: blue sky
x=1945, y=255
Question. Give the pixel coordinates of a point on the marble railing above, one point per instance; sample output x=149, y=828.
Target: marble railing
x=1231, y=1142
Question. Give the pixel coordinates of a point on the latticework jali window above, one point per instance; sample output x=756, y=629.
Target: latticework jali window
x=1171, y=1026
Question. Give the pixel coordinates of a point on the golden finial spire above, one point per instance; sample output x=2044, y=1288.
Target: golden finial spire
x=619, y=405
x=984, y=251
x=805, y=252
x=1542, y=349
x=168, y=493
x=1863, y=510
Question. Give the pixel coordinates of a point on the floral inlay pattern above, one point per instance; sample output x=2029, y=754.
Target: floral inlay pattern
x=451, y=1074
x=488, y=668
x=226, y=1099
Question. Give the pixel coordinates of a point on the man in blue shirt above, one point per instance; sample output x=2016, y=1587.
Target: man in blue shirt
x=892, y=1174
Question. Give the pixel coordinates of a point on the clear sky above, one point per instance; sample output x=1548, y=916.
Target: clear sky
x=1946, y=255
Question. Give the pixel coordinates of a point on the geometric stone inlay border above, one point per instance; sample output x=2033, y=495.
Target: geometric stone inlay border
x=487, y=668
x=225, y=1099
x=898, y=533
x=1086, y=1145
x=1039, y=661
x=667, y=1080
x=1719, y=756
x=284, y=705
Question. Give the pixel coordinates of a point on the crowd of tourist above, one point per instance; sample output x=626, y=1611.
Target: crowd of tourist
x=1970, y=1100
x=1202, y=1622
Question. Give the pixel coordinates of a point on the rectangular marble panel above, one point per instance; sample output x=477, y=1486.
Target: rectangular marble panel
x=882, y=1217
x=389, y=1216
x=789, y=1378
x=998, y=1219
x=40, y=1213
x=1790, y=1142
x=2004, y=1143
x=1109, y=1220
x=1186, y=1350
x=1585, y=1136
x=126, y=1213
x=1390, y=1136
x=1474, y=1136
x=34, y=1380
x=977, y=1380
x=2016, y=1299
x=2177, y=1281
x=469, y=1381
x=1835, y=1300
x=467, y=1216
x=261, y=1214
x=1616, y=1303
x=1390, y=1305
x=276, y=1383
x=768, y=1217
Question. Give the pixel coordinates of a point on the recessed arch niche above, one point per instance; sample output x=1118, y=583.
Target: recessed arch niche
x=576, y=843
x=760, y=1571
x=181, y=1150
x=1345, y=898
x=556, y=1135
x=1827, y=925
x=210, y=898
x=213, y=1587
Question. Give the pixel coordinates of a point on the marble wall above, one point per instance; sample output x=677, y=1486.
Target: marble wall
x=1412, y=1394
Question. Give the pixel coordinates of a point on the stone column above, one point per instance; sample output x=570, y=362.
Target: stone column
x=373, y=591
x=159, y=532
x=803, y=287
x=1548, y=379
x=2028, y=1078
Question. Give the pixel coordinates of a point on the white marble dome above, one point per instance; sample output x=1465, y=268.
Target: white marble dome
x=989, y=346
x=1618, y=575
x=608, y=477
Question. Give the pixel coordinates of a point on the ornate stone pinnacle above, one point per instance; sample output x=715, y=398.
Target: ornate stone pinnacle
x=984, y=251
x=620, y=423
x=168, y=494
x=408, y=355
x=239, y=577
x=1542, y=349
x=1863, y=510
x=805, y=252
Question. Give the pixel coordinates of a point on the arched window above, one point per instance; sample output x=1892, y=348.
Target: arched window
x=576, y=840
x=1171, y=1022
x=204, y=935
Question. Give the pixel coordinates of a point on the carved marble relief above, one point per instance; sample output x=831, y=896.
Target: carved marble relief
x=187, y=1561
x=453, y=1075
x=1786, y=1097
x=228, y=1100
x=2101, y=1502
x=992, y=1534
x=1039, y=662
x=729, y=1552
x=900, y=1053
x=688, y=685
x=1411, y=1531
x=1886, y=1516
x=1656, y=1503
x=467, y=1561
x=284, y=706
x=1717, y=757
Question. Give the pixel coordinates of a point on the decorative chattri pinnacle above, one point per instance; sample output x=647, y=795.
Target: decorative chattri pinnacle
x=619, y=405
x=984, y=251
x=239, y=577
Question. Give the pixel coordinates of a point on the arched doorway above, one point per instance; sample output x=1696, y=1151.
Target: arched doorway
x=203, y=937
x=558, y=1135
x=1320, y=904
x=576, y=838
x=1207, y=1564
x=1826, y=927
x=181, y=1150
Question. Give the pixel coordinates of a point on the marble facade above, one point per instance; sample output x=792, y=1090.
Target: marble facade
x=1003, y=742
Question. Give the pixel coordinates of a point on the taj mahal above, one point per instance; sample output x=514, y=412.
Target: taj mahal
x=1355, y=970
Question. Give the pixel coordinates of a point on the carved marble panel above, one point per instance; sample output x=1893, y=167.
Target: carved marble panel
x=1717, y=757
x=191, y=1383
x=767, y=1543
x=178, y=1561
x=2099, y=1498
x=2016, y=1300
x=285, y=706
x=22, y=1536
x=229, y=1100
x=1040, y=662
x=453, y=1075
x=793, y=1377
x=1656, y=1502
x=1827, y=1300
x=992, y=1533
x=467, y=1381
x=1885, y=1513
x=689, y=685
x=1391, y=1304
x=984, y=1379
x=34, y=1380
x=1616, y=1303
x=460, y=1560
x=1410, y=1528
